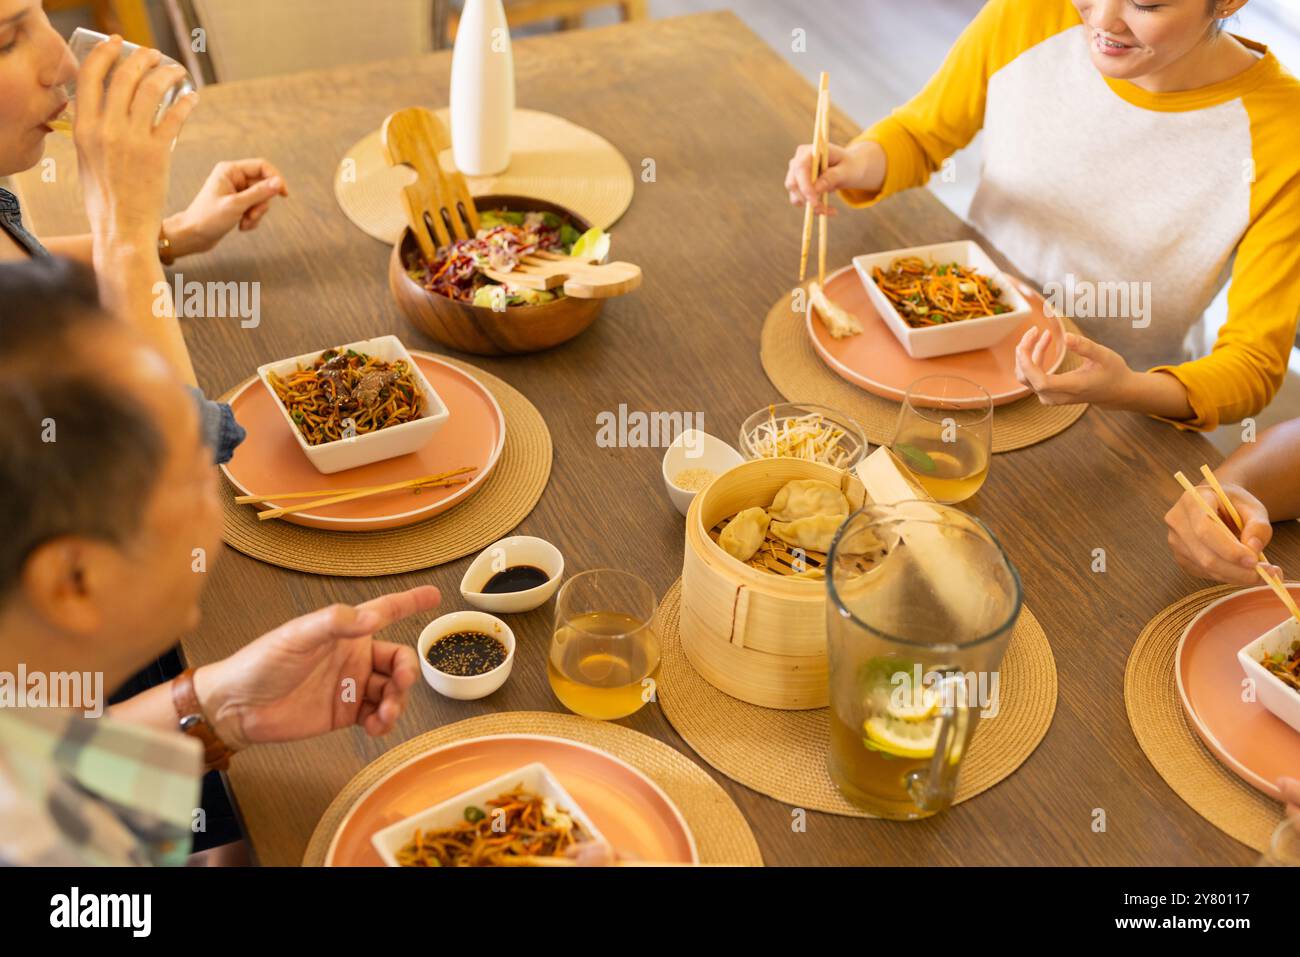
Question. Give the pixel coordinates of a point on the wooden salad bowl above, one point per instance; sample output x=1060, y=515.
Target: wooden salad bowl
x=477, y=329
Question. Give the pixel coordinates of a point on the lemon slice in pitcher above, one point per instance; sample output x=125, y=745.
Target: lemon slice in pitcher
x=903, y=739
x=908, y=705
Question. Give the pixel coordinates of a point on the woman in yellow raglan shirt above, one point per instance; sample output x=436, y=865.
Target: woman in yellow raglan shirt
x=1131, y=148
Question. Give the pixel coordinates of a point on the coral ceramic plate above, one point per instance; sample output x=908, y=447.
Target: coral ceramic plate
x=635, y=816
x=875, y=360
x=270, y=461
x=1244, y=735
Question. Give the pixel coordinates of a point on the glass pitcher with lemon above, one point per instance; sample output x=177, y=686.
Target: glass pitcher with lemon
x=921, y=603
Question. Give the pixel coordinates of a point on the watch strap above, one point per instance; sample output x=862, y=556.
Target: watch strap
x=193, y=722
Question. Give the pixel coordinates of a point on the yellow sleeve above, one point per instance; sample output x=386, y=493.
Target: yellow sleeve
x=945, y=116
x=1248, y=363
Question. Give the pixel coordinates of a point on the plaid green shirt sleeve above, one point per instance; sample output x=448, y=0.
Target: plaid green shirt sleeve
x=94, y=791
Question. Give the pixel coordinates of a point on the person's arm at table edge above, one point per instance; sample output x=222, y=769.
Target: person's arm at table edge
x=1154, y=393
x=154, y=707
x=133, y=287
x=81, y=247
x=1269, y=469
x=283, y=685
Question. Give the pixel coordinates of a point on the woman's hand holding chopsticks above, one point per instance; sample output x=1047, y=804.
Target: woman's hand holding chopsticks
x=1205, y=551
x=860, y=166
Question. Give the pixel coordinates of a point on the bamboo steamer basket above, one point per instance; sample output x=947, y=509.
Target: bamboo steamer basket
x=757, y=636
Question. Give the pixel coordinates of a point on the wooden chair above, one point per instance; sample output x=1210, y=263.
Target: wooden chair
x=250, y=38
x=244, y=39
x=130, y=18
x=568, y=12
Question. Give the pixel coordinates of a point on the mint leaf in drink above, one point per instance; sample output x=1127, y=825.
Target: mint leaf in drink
x=916, y=460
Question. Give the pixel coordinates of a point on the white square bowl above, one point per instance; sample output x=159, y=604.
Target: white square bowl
x=949, y=338
x=535, y=777
x=388, y=443
x=1283, y=701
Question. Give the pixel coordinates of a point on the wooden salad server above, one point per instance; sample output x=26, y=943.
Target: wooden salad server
x=581, y=280
x=438, y=204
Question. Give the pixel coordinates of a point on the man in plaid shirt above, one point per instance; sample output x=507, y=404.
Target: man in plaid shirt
x=109, y=494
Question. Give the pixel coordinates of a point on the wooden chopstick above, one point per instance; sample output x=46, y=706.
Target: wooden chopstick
x=822, y=97
x=1226, y=502
x=825, y=164
x=320, y=492
x=350, y=496
x=1277, y=585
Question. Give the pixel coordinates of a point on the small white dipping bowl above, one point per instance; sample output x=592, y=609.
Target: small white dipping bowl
x=507, y=553
x=694, y=449
x=457, y=686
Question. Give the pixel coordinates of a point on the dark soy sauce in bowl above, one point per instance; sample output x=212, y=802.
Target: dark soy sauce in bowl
x=515, y=578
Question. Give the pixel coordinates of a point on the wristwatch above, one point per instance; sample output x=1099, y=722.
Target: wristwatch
x=192, y=721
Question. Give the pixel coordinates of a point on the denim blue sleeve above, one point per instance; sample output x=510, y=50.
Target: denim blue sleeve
x=11, y=221
x=220, y=430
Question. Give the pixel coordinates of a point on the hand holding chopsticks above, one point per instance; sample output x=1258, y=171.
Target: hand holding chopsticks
x=1275, y=583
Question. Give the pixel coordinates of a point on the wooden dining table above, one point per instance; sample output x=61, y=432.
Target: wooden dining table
x=713, y=114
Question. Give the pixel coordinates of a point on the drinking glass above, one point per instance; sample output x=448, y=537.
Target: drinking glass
x=921, y=601
x=944, y=436
x=1284, y=847
x=81, y=43
x=604, y=656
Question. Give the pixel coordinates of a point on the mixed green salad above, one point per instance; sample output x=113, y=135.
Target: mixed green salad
x=504, y=238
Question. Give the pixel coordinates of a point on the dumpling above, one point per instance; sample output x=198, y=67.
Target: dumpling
x=839, y=323
x=744, y=534
x=813, y=533
x=804, y=497
x=810, y=574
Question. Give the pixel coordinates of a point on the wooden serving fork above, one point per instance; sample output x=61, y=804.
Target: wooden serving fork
x=438, y=204
x=581, y=280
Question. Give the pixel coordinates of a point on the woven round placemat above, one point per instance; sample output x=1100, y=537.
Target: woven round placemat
x=550, y=159
x=722, y=835
x=505, y=499
x=1155, y=713
x=793, y=366
x=783, y=753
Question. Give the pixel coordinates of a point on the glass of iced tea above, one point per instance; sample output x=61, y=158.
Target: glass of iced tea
x=604, y=655
x=81, y=43
x=944, y=436
x=921, y=601
x=1284, y=847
